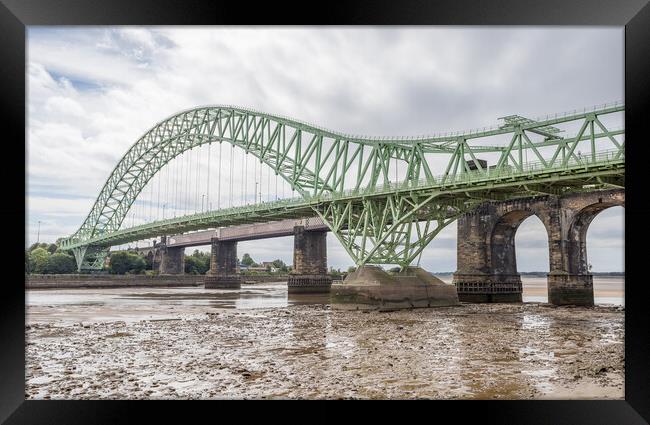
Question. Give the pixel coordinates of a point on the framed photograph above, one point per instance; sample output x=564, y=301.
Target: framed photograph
x=411, y=201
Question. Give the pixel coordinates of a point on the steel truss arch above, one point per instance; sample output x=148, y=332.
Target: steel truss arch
x=351, y=181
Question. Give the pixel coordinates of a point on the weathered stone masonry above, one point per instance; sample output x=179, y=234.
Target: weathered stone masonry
x=309, y=272
x=223, y=265
x=172, y=260
x=487, y=267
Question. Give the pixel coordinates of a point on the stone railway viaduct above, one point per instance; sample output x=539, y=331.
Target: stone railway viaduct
x=486, y=262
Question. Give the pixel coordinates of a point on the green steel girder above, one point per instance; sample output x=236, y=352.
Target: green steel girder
x=390, y=230
x=334, y=172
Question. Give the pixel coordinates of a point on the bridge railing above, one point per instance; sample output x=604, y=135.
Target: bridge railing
x=439, y=136
x=602, y=157
x=595, y=108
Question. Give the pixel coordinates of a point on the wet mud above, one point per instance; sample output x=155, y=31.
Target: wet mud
x=304, y=349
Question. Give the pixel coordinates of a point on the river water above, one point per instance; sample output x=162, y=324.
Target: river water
x=74, y=305
x=259, y=342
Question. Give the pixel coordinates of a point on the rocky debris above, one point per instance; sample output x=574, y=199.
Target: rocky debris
x=493, y=351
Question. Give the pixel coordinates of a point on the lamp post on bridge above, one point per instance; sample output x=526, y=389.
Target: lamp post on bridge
x=202, y=197
x=38, y=233
x=255, y=194
x=164, y=205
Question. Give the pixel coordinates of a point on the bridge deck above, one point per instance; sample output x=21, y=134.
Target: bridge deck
x=247, y=232
x=502, y=184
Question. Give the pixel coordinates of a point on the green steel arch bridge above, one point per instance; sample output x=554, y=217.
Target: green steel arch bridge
x=384, y=198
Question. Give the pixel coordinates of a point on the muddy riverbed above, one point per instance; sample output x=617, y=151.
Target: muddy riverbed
x=260, y=343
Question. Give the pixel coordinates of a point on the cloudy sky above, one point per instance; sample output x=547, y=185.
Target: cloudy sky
x=93, y=91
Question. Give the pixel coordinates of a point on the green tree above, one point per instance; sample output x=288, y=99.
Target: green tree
x=138, y=265
x=59, y=263
x=197, y=263
x=248, y=261
x=352, y=269
x=38, y=259
x=126, y=262
x=279, y=264
x=335, y=272
x=28, y=264
x=52, y=248
x=37, y=245
x=148, y=262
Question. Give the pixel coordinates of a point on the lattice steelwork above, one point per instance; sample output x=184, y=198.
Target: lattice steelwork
x=352, y=182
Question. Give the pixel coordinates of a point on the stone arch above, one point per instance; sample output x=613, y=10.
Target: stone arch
x=503, y=254
x=577, y=232
x=501, y=239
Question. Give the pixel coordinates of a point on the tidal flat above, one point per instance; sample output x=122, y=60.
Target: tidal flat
x=191, y=343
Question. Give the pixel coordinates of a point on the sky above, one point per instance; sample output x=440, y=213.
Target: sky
x=93, y=91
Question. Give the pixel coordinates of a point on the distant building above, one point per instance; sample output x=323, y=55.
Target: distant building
x=267, y=265
x=257, y=269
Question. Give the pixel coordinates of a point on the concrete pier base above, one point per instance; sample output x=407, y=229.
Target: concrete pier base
x=570, y=289
x=371, y=288
x=302, y=283
x=222, y=281
x=487, y=288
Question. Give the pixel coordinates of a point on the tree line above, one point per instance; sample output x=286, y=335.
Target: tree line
x=46, y=258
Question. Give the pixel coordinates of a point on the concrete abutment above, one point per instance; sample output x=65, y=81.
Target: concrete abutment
x=371, y=288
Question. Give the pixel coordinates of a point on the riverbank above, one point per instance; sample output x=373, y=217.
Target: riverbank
x=73, y=281
x=69, y=281
x=261, y=343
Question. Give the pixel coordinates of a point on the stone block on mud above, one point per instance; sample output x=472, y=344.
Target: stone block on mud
x=488, y=288
x=371, y=288
x=309, y=284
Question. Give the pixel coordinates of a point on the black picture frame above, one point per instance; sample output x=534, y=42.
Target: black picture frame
x=15, y=15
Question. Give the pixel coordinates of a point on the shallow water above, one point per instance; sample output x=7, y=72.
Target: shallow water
x=130, y=304
x=137, y=303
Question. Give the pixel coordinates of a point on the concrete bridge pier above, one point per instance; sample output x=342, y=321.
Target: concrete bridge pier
x=223, y=266
x=172, y=260
x=309, y=274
